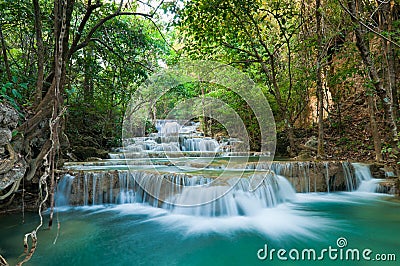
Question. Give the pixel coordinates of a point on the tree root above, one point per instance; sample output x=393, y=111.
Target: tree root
x=35, y=163
x=12, y=190
x=7, y=203
x=26, y=246
x=8, y=164
x=32, y=235
x=3, y=261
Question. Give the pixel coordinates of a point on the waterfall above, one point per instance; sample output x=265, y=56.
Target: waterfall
x=266, y=185
x=170, y=129
x=172, y=138
x=120, y=187
x=126, y=193
x=349, y=176
x=302, y=175
x=63, y=191
x=200, y=144
x=327, y=176
x=239, y=200
x=178, y=190
x=364, y=179
x=208, y=145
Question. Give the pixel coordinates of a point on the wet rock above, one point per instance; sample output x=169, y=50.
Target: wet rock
x=5, y=136
x=92, y=159
x=388, y=187
x=8, y=121
x=12, y=176
x=12, y=165
x=377, y=170
x=310, y=176
x=83, y=153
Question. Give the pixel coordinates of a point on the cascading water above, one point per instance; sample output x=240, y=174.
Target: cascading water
x=173, y=137
x=195, y=194
x=64, y=190
x=239, y=200
x=181, y=190
x=189, y=186
x=365, y=181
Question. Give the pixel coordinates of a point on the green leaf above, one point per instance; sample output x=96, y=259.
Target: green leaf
x=15, y=132
x=24, y=85
x=16, y=94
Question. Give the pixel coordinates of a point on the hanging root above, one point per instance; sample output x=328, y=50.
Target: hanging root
x=3, y=261
x=32, y=235
x=29, y=254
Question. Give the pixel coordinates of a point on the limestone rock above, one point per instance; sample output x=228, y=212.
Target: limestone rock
x=312, y=142
x=8, y=117
x=5, y=136
x=12, y=165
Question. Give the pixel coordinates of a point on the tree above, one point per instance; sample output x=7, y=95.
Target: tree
x=390, y=106
x=56, y=35
x=255, y=36
x=320, y=90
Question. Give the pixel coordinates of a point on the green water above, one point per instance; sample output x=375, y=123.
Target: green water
x=136, y=234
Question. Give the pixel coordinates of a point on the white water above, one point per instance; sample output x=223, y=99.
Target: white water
x=239, y=200
x=196, y=195
x=364, y=178
x=174, y=137
x=64, y=190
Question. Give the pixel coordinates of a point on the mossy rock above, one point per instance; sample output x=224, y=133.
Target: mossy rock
x=82, y=153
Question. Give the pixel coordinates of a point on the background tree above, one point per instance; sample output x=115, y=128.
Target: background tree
x=255, y=36
x=82, y=54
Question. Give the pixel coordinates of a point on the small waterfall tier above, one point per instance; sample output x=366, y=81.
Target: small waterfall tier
x=184, y=189
x=239, y=200
x=175, y=139
x=179, y=193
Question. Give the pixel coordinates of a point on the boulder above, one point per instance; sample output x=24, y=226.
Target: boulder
x=83, y=153
x=8, y=117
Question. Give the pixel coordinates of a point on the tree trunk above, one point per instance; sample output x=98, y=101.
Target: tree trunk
x=320, y=91
x=363, y=48
x=374, y=129
x=87, y=79
x=291, y=138
x=63, y=11
x=5, y=58
x=281, y=104
x=40, y=52
x=391, y=62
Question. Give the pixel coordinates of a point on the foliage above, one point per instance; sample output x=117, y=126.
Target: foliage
x=103, y=77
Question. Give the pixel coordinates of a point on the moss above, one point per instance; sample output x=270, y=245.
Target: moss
x=82, y=153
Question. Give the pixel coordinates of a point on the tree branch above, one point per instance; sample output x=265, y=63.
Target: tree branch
x=238, y=49
x=99, y=24
x=158, y=6
x=81, y=27
x=108, y=47
x=118, y=55
x=366, y=26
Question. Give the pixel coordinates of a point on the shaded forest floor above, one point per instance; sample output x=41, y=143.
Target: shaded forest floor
x=347, y=137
